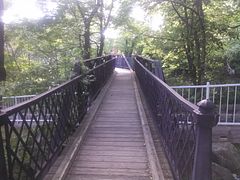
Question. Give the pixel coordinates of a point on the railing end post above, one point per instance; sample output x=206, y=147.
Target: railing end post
x=206, y=113
x=206, y=119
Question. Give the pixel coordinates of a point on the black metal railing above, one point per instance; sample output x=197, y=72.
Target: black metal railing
x=152, y=65
x=122, y=62
x=91, y=63
x=28, y=146
x=184, y=127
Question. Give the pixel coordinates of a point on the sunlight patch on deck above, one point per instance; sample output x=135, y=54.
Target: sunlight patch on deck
x=122, y=71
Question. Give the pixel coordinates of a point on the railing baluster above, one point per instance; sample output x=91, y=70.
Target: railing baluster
x=226, y=116
x=213, y=95
x=195, y=96
x=189, y=94
x=234, y=104
x=225, y=95
x=220, y=105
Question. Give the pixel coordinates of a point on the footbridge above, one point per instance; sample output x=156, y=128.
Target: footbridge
x=110, y=123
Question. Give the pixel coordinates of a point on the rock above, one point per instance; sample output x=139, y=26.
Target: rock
x=221, y=173
x=227, y=155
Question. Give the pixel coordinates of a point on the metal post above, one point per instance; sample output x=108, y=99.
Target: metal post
x=206, y=119
x=207, y=90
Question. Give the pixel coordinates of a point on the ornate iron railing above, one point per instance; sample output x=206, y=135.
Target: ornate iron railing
x=28, y=148
x=122, y=62
x=91, y=63
x=180, y=125
x=152, y=65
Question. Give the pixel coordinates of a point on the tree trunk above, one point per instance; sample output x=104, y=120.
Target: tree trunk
x=87, y=19
x=194, y=35
x=2, y=69
x=101, y=30
x=87, y=43
x=189, y=47
x=202, y=40
x=102, y=43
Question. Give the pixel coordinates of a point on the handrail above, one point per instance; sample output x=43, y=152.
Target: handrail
x=225, y=96
x=127, y=63
x=205, y=86
x=13, y=100
x=27, y=148
x=152, y=65
x=91, y=63
x=184, y=127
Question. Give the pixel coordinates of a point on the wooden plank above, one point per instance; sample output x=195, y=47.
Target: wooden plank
x=119, y=101
x=110, y=131
x=112, y=115
x=102, y=171
x=115, y=139
x=123, y=129
x=118, y=113
x=116, y=122
x=116, y=144
x=112, y=148
x=115, y=135
x=118, y=119
x=115, y=125
x=111, y=165
x=106, y=177
x=96, y=158
x=49, y=177
x=112, y=153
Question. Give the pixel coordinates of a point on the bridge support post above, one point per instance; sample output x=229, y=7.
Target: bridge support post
x=206, y=120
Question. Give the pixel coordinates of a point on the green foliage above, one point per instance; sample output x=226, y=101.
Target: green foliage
x=37, y=57
x=211, y=47
x=40, y=54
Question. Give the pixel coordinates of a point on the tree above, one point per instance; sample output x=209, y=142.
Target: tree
x=40, y=54
x=2, y=69
x=104, y=17
x=191, y=19
x=87, y=12
x=195, y=37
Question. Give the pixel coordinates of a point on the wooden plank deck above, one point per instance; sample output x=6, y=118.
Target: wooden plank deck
x=114, y=147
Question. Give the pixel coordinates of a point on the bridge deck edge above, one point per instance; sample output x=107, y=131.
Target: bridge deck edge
x=76, y=140
x=155, y=166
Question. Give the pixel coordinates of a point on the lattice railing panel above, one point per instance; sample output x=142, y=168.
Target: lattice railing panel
x=33, y=133
x=175, y=119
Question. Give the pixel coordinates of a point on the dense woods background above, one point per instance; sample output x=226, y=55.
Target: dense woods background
x=198, y=40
